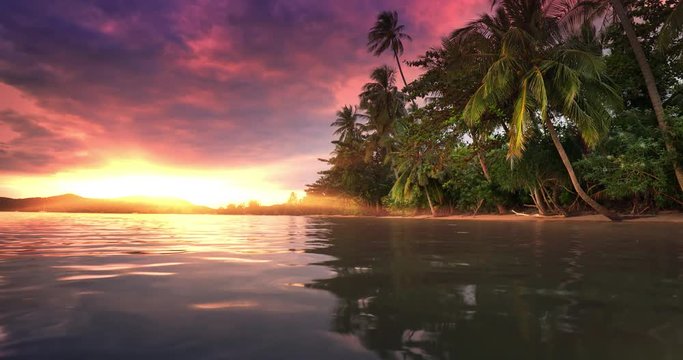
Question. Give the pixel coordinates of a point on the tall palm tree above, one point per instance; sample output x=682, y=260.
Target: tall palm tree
x=347, y=124
x=545, y=76
x=386, y=34
x=590, y=9
x=384, y=105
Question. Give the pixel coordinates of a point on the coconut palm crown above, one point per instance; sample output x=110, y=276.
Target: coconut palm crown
x=384, y=105
x=543, y=73
x=347, y=126
x=387, y=34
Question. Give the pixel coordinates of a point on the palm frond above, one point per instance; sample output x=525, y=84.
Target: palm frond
x=387, y=33
x=520, y=120
x=584, y=11
x=538, y=90
x=672, y=26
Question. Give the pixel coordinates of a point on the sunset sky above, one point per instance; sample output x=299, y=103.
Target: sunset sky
x=215, y=102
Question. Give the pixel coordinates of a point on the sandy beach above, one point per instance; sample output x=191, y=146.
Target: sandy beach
x=668, y=217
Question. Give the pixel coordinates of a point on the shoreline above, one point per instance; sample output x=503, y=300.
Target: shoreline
x=669, y=218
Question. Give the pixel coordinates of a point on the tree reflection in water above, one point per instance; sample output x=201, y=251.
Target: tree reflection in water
x=439, y=290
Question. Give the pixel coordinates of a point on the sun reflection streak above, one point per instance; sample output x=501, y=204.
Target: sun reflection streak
x=109, y=276
x=87, y=277
x=235, y=260
x=113, y=267
x=224, y=305
x=151, y=273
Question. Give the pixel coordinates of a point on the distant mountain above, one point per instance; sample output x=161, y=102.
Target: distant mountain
x=130, y=204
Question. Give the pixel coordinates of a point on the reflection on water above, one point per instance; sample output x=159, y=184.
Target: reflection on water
x=221, y=287
x=113, y=267
x=224, y=305
x=426, y=290
x=232, y=259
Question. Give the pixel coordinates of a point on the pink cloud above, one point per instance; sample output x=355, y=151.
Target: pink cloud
x=193, y=83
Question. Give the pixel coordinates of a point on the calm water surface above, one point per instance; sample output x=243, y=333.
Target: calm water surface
x=232, y=287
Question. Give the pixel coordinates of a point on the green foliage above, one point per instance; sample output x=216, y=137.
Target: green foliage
x=351, y=176
x=384, y=105
x=632, y=163
x=675, y=118
x=466, y=187
x=540, y=172
x=666, y=63
x=672, y=27
x=537, y=70
x=419, y=159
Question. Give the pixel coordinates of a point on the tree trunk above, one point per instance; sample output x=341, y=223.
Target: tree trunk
x=575, y=181
x=485, y=170
x=537, y=201
x=400, y=69
x=651, y=85
x=429, y=200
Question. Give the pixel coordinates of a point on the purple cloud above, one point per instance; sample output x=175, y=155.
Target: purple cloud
x=196, y=83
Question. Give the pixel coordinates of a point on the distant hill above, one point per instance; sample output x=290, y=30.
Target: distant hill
x=131, y=204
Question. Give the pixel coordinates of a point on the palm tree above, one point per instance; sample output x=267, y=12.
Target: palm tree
x=387, y=33
x=384, y=105
x=414, y=176
x=590, y=9
x=347, y=124
x=422, y=148
x=544, y=76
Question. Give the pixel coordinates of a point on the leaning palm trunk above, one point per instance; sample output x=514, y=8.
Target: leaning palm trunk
x=575, y=181
x=651, y=85
x=429, y=200
x=400, y=69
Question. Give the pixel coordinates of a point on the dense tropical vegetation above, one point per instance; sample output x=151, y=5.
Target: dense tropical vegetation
x=557, y=106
